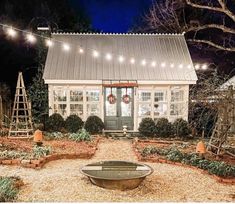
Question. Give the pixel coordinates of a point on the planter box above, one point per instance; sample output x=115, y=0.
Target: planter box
x=15, y=161
x=37, y=162
x=7, y=161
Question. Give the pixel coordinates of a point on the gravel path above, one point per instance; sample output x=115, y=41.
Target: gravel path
x=61, y=181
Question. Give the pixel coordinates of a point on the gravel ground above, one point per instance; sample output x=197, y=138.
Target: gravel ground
x=61, y=181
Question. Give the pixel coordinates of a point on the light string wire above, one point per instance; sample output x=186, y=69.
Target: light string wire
x=109, y=55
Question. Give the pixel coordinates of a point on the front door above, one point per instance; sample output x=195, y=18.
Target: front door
x=118, y=113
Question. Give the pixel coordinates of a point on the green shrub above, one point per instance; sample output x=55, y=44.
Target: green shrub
x=54, y=135
x=175, y=155
x=8, y=189
x=82, y=135
x=146, y=127
x=40, y=151
x=163, y=128
x=221, y=169
x=94, y=125
x=55, y=123
x=12, y=154
x=73, y=123
x=181, y=128
x=153, y=150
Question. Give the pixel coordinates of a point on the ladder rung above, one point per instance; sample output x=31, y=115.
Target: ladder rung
x=16, y=131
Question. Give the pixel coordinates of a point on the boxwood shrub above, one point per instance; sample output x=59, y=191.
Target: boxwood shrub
x=94, y=125
x=163, y=128
x=147, y=127
x=55, y=123
x=73, y=123
x=181, y=128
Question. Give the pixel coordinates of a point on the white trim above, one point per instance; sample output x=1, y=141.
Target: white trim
x=99, y=82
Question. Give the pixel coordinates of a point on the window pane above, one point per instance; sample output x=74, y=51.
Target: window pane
x=76, y=95
x=76, y=109
x=93, y=109
x=92, y=95
x=160, y=109
x=126, y=109
x=111, y=109
x=176, y=109
x=144, y=110
x=61, y=109
x=145, y=96
x=60, y=95
x=177, y=95
x=159, y=96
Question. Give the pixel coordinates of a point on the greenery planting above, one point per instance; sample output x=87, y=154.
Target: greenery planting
x=213, y=167
x=12, y=154
x=181, y=128
x=94, y=125
x=55, y=123
x=147, y=127
x=54, y=135
x=40, y=151
x=9, y=188
x=73, y=123
x=82, y=135
x=163, y=128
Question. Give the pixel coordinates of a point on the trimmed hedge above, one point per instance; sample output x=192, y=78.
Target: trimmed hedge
x=55, y=123
x=163, y=128
x=94, y=125
x=73, y=123
x=147, y=127
x=181, y=128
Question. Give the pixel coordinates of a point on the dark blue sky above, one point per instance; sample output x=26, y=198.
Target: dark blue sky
x=113, y=15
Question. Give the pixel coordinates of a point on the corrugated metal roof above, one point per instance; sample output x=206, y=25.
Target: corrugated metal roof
x=230, y=82
x=71, y=65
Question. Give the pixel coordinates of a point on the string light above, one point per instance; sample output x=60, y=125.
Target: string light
x=132, y=61
x=30, y=38
x=81, y=50
x=153, y=64
x=49, y=43
x=163, y=64
x=95, y=54
x=108, y=56
x=120, y=58
x=11, y=32
x=66, y=47
x=143, y=62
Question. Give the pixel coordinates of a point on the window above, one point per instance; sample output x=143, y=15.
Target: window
x=111, y=109
x=76, y=95
x=160, y=103
x=60, y=95
x=76, y=109
x=176, y=109
x=93, y=102
x=144, y=110
x=61, y=109
x=177, y=95
x=160, y=96
x=145, y=96
x=160, y=109
x=93, y=95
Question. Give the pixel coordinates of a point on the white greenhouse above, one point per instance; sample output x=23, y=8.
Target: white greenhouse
x=121, y=78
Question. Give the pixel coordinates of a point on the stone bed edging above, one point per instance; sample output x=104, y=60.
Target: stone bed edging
x=39, y=163
x=160, y=160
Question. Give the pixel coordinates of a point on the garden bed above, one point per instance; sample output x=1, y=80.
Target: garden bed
x=25, y=153
x=183, y=154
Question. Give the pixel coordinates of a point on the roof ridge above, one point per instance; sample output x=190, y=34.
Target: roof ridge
x=127, y=34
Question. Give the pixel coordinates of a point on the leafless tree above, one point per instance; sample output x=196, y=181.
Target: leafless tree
x=210, y=22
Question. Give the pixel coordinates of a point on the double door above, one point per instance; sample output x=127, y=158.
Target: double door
x=118, y=108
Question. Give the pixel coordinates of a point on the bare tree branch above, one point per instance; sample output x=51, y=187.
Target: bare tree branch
x=230, y=49
x=222, y=9
x=217, y=26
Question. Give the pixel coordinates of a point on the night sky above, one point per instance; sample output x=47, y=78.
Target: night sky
x=113, y=15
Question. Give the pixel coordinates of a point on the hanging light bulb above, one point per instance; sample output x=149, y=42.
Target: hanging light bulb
x=49, y=42
x=120, y=58
x=11, y=32
x=132, y=61
x=66, y=47
x=153, y=64
x=143, y=62
x=204, y=66
x=172, y=65
x=189, y=66
x=180, y=66
x=108, y=56
x=95, y=54
x=197, y=66
x=163, y=64
x=81, y=50
x=30, y=38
